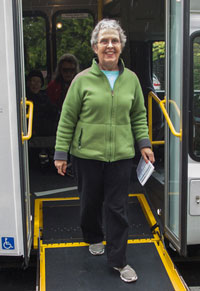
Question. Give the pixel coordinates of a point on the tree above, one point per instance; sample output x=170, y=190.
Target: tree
x=158, y=51
x=74, y=38
x=34, y=29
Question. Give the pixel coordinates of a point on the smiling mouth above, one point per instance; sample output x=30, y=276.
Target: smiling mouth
x=110, y=53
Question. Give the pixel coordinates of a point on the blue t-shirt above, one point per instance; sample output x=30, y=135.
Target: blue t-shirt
x=112, y=76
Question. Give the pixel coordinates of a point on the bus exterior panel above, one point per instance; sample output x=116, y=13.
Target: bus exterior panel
x=11, y=229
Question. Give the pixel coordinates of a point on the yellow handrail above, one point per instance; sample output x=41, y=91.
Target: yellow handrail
x=100, y=10
x=164, y=111
x=29, y=116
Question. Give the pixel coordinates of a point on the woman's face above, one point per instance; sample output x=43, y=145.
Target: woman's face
x=35, y=85
x=108, y=49
x=68, y=71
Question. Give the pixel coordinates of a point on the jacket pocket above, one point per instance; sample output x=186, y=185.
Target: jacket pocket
x=80, y=138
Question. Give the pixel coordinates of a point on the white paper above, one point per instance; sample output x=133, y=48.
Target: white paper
x=144, y=171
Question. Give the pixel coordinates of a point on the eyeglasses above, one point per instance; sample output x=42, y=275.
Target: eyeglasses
x=106, y=42
x=68, y=70
x=36, y=82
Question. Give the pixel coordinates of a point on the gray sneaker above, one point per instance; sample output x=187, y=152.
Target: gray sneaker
x=127, y=274
x=96, y=249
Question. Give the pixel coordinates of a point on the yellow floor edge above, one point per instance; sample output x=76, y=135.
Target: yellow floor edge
x=170, y=268
x=42, y=269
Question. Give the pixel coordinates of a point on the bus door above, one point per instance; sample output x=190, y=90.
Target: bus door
x=177, y=23
x=15, y=216
x=25, y=125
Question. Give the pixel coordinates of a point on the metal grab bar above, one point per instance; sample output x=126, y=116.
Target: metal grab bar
x=165, y=113
x=29, y=116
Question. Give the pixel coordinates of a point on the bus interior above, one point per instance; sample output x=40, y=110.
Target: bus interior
x=45, y=42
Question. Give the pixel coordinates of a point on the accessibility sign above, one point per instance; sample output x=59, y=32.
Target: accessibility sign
x=8, y=243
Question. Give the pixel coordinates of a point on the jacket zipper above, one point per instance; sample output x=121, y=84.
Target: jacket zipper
x=79, y=140
x=112, y=94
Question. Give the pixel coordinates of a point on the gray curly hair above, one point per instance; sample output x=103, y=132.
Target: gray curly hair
x=66, y=58
x=105, y=24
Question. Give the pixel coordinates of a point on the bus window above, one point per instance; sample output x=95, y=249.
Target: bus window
x=195, y=120
x=158, y=65
x=35, y=45
x=73, y=32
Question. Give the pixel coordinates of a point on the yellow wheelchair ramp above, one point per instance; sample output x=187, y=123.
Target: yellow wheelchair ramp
x=66, y=264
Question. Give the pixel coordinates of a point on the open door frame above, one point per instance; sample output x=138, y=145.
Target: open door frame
x=178, y=239
x=22, y=128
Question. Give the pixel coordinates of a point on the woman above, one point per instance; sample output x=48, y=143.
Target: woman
x=101, y=117
x=67, y=68
x=45, y=116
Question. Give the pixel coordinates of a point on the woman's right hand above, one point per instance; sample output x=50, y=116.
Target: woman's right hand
x=61, y=167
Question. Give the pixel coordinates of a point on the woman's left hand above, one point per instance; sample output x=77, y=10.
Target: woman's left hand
x=148, y=155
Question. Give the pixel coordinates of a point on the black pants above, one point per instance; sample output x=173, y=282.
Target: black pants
x=108, y=183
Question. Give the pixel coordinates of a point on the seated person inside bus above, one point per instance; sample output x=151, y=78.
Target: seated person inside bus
x=45, y=115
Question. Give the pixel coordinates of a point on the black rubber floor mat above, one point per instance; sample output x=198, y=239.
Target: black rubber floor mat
x=61, y=222
x=74, y=268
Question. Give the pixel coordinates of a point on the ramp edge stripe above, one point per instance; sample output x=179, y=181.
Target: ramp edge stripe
x=169, y=267
x=42, y=269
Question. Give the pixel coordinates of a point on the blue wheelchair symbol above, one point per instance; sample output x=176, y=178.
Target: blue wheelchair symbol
x=8, y=243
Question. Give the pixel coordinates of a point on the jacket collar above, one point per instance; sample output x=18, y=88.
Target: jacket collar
x=96, y=70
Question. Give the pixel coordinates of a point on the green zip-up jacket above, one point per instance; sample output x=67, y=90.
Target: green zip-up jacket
x=99, y=123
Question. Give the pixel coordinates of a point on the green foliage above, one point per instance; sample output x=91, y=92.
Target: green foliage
x=196, y=64
x=158, y=57
x=74, y=38
x=158, y=50
x=34, y=43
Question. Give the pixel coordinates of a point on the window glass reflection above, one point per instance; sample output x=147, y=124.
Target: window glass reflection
x=73, y=32
x=196, y=97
